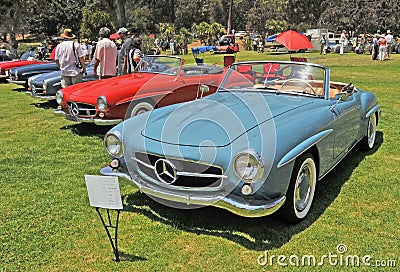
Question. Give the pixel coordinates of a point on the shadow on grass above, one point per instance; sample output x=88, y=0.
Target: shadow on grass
x=263, y=233
x=50, y=104
x=88, y=129
x=125, y=257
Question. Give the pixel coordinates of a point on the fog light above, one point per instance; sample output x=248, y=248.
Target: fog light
x=246, y=189
x=115, y=163
x=101, y=114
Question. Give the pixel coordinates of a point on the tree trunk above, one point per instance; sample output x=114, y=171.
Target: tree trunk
x=230, y=17
x=121, y=13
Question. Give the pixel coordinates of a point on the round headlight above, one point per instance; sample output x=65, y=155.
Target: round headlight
x=248, y=166
x=102, y=103
x=59, y=97
x=113, y=142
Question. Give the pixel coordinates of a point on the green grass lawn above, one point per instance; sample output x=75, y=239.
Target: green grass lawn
x=46, y=223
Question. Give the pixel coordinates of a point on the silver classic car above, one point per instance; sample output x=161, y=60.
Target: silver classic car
x=257, y=146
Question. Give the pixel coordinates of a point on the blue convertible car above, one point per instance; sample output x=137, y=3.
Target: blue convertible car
x=257, y=146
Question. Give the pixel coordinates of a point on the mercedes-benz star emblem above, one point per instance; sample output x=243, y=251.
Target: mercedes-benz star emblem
x=73, y=109
x=165, y=171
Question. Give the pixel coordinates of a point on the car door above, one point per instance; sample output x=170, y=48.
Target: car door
x=186, y=88
x=347, y=125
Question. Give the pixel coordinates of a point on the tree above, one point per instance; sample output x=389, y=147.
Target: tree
x=93, y=21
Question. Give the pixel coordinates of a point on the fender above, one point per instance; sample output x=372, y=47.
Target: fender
x=376, y=108
x=302, y=147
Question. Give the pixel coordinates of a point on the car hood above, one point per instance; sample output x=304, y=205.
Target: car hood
x=218, y=119
x=17, y=63
x=90, y=91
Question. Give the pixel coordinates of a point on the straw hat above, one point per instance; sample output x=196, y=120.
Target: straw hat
x=67, y=34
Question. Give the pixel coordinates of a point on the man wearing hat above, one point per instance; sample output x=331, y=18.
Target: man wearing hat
x=123, y=53
x=105, y=56
x=389, y=43
x=68, y=56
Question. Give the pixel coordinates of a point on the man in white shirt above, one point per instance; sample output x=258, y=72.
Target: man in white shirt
x=105, y=56
x=68, y=56
x=389, y=44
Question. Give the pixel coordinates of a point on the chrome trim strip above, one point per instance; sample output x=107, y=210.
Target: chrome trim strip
x=373, y=110
x=237, y=206
x=303, y=146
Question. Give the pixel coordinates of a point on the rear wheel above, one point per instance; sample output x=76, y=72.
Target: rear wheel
x=368, y=142
x=138, y=108
x=301, y=190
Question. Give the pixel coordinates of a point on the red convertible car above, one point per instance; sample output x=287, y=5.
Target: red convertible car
x=159, y=81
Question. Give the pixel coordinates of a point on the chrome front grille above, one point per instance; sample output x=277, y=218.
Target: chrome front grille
x=81, y=109
x=178, y=172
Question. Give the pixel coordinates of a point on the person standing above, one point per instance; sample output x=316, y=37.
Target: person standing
x=70, y=59
x=123, y=53
x=389, y=44
x=382, y=47
x=135, y=54
x=105, y=56
x=322, y=42
x=343, y=39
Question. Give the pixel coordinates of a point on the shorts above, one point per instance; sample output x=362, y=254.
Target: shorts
x=70, y=80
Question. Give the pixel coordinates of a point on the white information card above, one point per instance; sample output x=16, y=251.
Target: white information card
x=104, y=192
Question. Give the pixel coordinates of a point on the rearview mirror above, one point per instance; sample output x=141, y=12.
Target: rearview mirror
x=344, y=96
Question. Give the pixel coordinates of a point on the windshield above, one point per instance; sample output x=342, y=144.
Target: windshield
x=160, y=64
x=278, y=77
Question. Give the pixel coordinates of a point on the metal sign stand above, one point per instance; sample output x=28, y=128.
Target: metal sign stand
x=104, y=193
x=109, y=226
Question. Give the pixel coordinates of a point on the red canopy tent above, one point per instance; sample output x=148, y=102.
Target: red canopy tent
x=293, y=40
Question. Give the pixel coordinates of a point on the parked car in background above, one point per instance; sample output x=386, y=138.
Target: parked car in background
x=26, y=59
x=241, y=34
x=227, y=40
x=20, y=75
x=159, y=81
x=45, y=86
x=257, y=146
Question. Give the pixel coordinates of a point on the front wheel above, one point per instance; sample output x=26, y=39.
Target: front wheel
x=368, y=142
x=301, y=190
x=138, y=108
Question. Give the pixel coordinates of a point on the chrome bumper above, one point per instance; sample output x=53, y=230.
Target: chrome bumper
x=41, y=96
x=19, y=82
x=237, y=206
x=100, y=122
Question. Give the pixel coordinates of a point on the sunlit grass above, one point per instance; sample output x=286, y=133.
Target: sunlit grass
x=46, y=223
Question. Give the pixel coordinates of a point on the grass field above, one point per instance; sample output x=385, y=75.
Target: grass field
x=46, y=223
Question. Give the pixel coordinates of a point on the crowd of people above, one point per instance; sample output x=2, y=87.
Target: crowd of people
x=108, y=59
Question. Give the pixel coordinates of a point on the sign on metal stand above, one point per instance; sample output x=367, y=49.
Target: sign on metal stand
x=104, y=193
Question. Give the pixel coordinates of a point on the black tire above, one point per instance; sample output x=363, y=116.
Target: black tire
x=301, y=191
x=368, y=142
x=139, y=108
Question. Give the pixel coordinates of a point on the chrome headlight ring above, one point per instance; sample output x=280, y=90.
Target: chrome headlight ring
x=59, y=97
x=248, y=165
x=114, y=144
x=102, y=103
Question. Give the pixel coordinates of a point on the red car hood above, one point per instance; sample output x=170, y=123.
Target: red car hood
x=18, y=63
x=114, y=88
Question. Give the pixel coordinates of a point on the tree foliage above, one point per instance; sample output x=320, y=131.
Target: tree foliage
x=144, y=16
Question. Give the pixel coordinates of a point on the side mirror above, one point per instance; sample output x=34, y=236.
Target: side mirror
x=344, y=96
x=204, y=88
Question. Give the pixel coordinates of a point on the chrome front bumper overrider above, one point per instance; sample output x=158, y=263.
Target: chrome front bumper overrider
x=100, y=122
x=235, y=205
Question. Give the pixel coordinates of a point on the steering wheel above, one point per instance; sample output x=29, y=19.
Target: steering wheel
x=302, y=81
